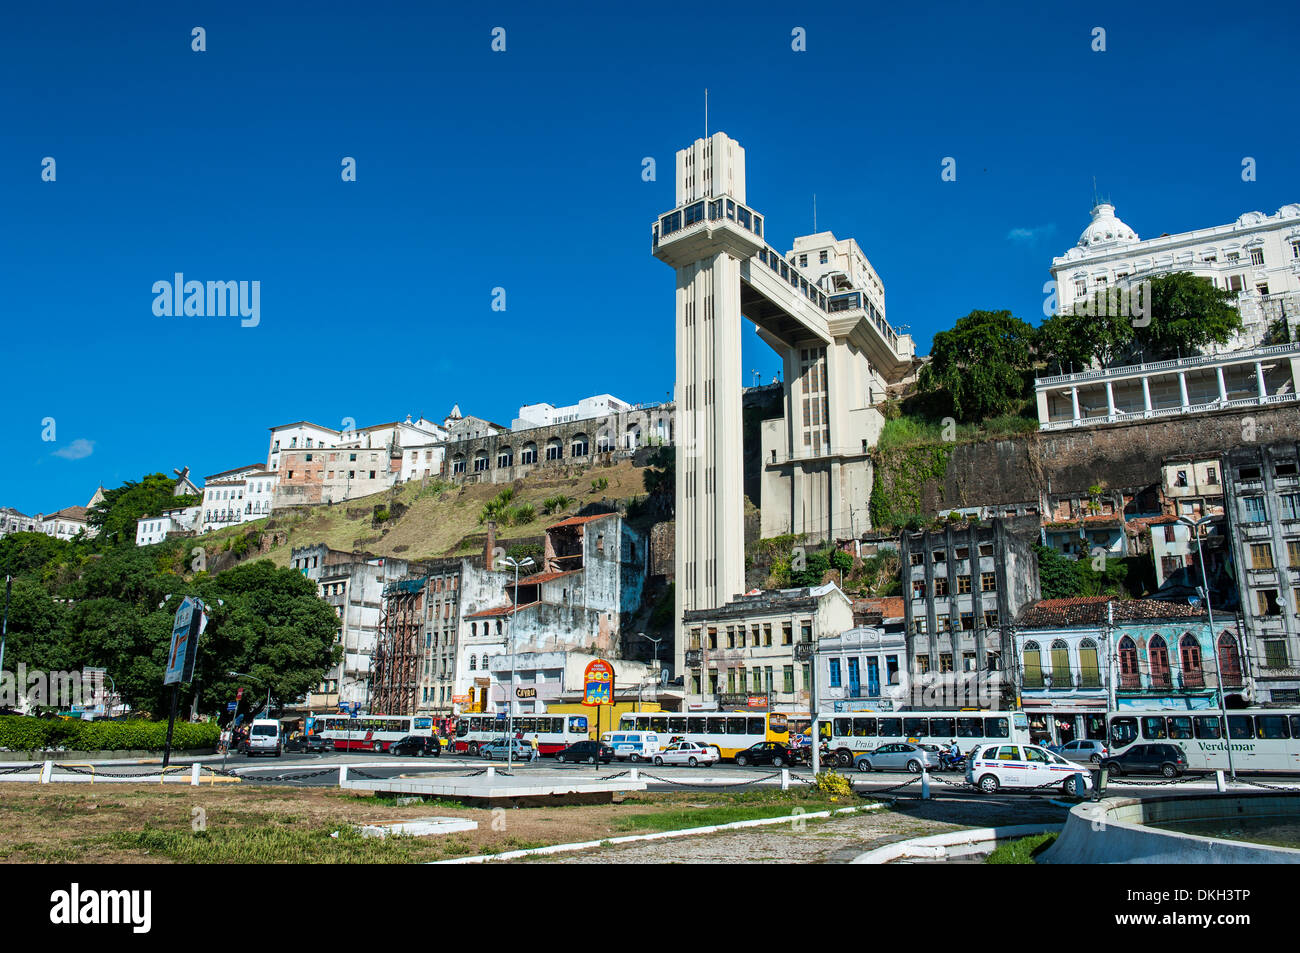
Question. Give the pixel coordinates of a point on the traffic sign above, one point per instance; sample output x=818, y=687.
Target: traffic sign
x=185, y=637
x=231, y=706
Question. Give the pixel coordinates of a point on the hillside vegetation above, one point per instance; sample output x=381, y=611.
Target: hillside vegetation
x=436, y=520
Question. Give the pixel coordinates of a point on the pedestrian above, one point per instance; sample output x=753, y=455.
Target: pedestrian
x=537, y=750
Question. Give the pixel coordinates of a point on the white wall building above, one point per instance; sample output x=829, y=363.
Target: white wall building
x=237, y=496
x=1257, y=257
x=154, y=529
x=544, y=415
x=298, y=435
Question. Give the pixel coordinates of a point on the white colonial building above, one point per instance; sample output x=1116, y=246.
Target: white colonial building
x=589, y=408
x=237, y=496
x=154, y=529
x=1257, y=257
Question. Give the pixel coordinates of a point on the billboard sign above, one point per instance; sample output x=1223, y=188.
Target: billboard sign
x=188, y=624
x=598, y=683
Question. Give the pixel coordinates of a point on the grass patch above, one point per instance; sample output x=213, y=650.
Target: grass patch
x=1021, y=851
x=687, y=817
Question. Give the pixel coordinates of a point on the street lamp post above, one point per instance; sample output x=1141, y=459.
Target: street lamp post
x=1195, y=527
x=4, y=628
x=657, y=670
x=516, y=564
x=260, y=681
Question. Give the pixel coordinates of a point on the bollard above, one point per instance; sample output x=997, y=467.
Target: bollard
x=1103, y=776
x=785, y=779
x=1080, y=786
x=194, y=774
x=491, y=771
x=47, y=772
x=634, y=773
x=1219, y=783
x=343, y=774
x=925, y=784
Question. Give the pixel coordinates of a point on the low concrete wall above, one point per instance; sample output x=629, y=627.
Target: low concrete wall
x=979, y=840
x=1117, y=831
x=132, y=755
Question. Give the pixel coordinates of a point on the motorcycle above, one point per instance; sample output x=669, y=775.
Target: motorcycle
x=947, y=762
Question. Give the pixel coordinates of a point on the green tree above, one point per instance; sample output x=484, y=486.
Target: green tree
x=982, y=364
x=816, y=565
x=121, y=508
x=1057, y=578
x=1188, y=313
x=1076, y=339
x=268, y=622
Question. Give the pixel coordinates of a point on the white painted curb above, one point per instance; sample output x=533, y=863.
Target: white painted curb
x=658, y=835
x=935, y=847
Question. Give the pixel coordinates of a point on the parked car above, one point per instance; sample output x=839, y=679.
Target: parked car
x=1165, y=759
x=899, y=756
x=264, y=738
x=990, y=767
x=588, y=751
x=688, y=752
x=1081, y=751
x=301, y=742
x=416, y=745
x=496, y=748
x=775, y=753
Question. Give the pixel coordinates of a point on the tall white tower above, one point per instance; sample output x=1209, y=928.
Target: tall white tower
x=824, y=319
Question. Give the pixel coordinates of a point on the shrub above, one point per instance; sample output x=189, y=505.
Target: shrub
x=599, y=484
x=554, y=504
x=523, y=513
x=21, y=733
x=833, y=784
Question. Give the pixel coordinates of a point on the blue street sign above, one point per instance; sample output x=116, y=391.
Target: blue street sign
x=231, y=706
x=501, y=716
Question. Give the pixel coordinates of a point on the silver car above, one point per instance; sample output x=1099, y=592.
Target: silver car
x=900, y=756
x=497, y=749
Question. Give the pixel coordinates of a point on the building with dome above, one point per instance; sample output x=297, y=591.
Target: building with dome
x=1257, y=257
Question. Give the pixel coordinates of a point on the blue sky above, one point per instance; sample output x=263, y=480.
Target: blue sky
x=522, y=170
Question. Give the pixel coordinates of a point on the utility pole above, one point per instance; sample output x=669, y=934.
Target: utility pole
x=4, y=627
x=526, y=562
x=1195, y=528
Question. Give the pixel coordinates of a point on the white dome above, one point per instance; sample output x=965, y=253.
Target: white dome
x=1106, y=229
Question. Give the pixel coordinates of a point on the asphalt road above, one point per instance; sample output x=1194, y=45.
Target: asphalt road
x=322, y=770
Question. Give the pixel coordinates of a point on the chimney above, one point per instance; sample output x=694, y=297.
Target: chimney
x=490, y=546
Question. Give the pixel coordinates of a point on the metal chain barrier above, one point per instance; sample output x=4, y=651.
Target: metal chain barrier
x=709, y=787
x=1261, y=784
x=21, y=768
x=1125, y=780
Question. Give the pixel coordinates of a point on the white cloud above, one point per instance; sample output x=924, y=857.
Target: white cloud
x=1030, y=235
x=76, y=450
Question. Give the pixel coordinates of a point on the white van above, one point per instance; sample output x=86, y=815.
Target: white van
x=634, y=745
x=264, y=738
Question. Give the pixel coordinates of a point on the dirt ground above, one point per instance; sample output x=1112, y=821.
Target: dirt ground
x=149, y=823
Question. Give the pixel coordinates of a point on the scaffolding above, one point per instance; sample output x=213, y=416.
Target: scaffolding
x=397, y=653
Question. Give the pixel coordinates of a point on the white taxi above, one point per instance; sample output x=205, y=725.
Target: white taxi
x=990, y=767
x=688, y=752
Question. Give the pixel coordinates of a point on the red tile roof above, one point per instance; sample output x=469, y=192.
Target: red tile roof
x=579, y=520
x=539, y=577
x=1091, y=610
x=497, y=611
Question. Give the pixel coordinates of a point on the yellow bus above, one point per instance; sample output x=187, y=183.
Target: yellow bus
x=728, y=731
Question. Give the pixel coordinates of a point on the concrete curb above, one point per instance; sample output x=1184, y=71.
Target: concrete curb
x=16, y=758
x=937, y=846
x=659, y=835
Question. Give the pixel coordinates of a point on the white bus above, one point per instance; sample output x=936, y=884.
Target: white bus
x=1262, y=739
x=553, y=732
x=852, y=733
x=729, y=732
x=370, y=732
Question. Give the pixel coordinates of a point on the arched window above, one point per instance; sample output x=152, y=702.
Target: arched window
x=604, y=443
x=473, y=628
x=473, y=662
x=480, y=461
x=579, y=446
x=458, y=463
x=1061, y=665
x=1129, y=676
x=1089, y=669
x=1189, y=654
x=505, y=457
x=554, y=449
x=1033, y=666
x=632, y=438
x=1158, y=660
x=1229, y=661
x=529, y=454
